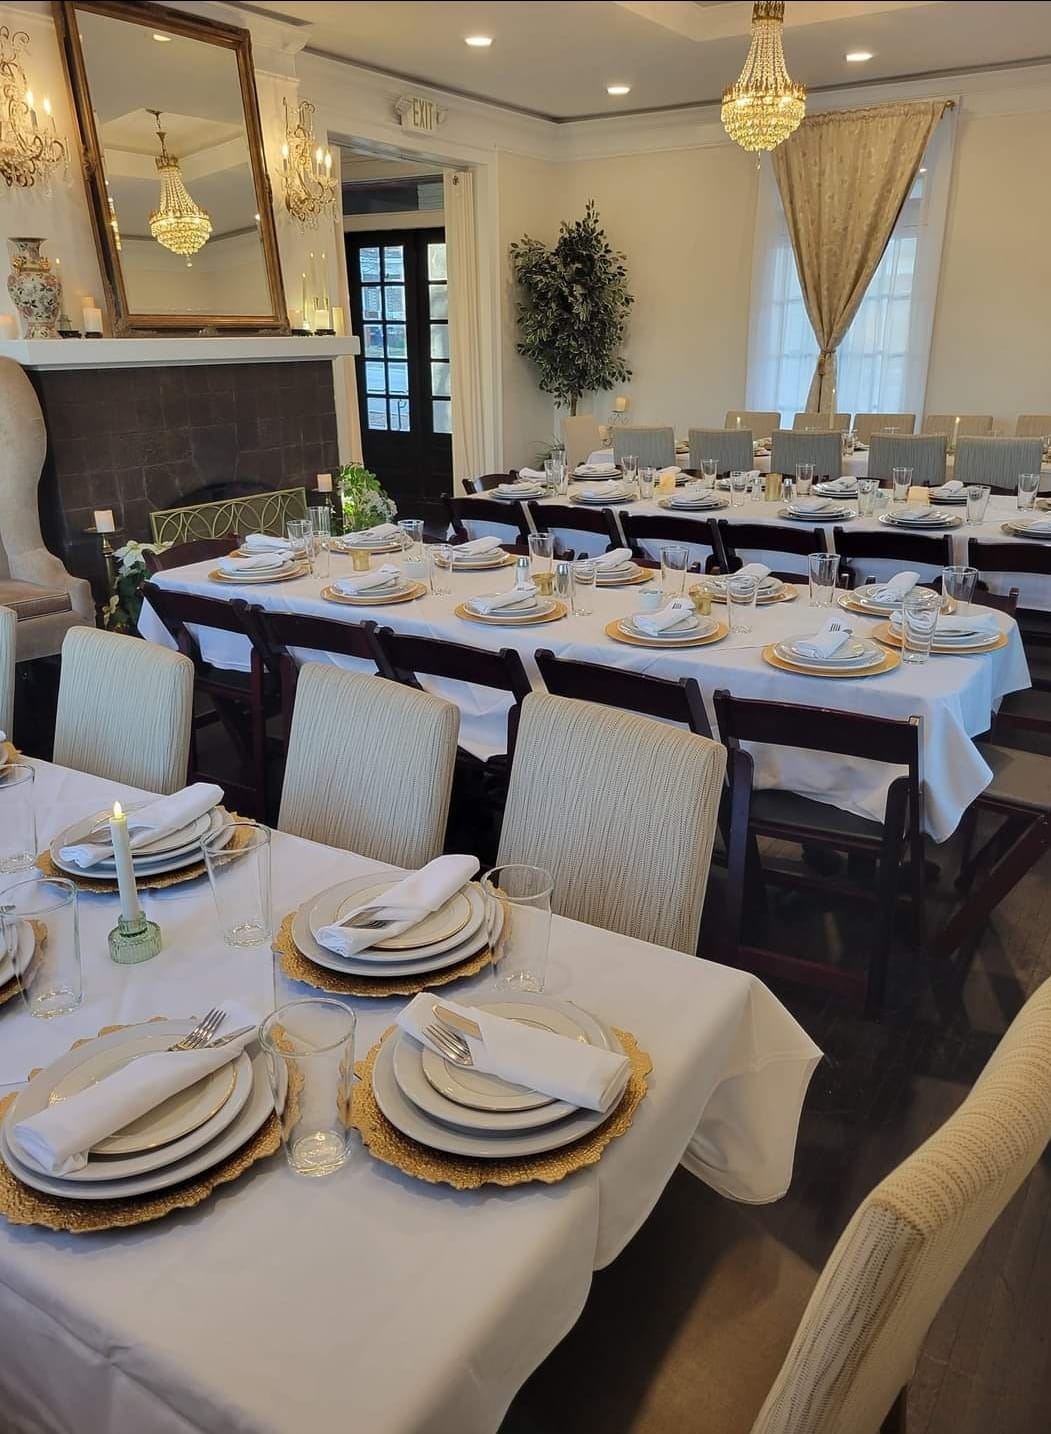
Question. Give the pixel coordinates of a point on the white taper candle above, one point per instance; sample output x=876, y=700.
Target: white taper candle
x=130, y=909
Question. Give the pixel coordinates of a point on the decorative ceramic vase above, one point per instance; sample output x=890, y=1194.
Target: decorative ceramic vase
x=37, y=293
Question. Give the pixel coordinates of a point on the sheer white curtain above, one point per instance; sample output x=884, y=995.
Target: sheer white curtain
x=883, y=359
x=465, y=331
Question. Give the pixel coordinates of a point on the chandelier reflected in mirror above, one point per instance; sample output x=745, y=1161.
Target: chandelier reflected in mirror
x=178, y=223
x=30, y=149
x=764, y=106
x=306, y=169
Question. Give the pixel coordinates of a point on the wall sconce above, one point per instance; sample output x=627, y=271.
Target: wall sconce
x=306, y=169
x=30, y=149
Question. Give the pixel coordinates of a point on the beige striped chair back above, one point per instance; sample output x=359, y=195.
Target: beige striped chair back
x=1033, y=425
x=653, y=447
x=923, y=453
x=762, y=424
x=370, y=765
x=972, y=425
x=824, y=450
x=997, y=462
x=866, y=424
x=809, y=422
x=581, y=776
x=581, y=435
x=8, y=630
x=124, y=710
x=730, y=447
x=860, y=1337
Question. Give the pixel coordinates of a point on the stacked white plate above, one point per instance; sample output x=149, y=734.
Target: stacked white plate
x=829, y=512
x=919, y=517
x=608, y=493
x=838, y=488
x=180, y=1138
x=693, y=626
x=610, y=577
x=1023, y=528
x=263, y=572
x=865, y=597
x=394, y=586
x=466, y=923
x=856, y=654
x=169, y=853
x=464, y=1112
x=350, y=541
x=528, y=608
x=596, y=472
x=491, y=558
x=979, y=636
x=955, y=495
x=518, y=491
x=769, y=588
x=692, y=503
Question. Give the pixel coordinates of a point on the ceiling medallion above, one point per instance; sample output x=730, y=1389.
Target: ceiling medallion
x=764, y=106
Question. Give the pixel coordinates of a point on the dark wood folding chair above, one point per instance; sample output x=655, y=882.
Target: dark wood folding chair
x=462, y=511
x=671, y=700
x=924, y=549
x=740, y=539
x=1032, y=559
x=237, y=699
x=641, y=528
x=785, y=816
x=486, y=482
x=197, y=551
x=576, y=519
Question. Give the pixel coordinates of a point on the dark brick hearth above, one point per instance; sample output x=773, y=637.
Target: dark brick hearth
x=136, y=439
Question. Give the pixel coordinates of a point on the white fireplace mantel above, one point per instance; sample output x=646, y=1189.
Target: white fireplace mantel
x=164, y=352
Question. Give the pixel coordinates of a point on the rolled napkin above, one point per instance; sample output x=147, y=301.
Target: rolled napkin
x=616, y=559
x=264, y=543
x=258, y=562
x=381, y=533
x=597, y=470
x=957, y=623
x=657, y=622
x=493, y=602
x=60, y=1137
x=954, y=485
x=405, y=904
x=895, y=588
x=474, y=547
x=824, y=643
x=354, y=584
x=526, y=1055
x=536, y=474
x=149, y=823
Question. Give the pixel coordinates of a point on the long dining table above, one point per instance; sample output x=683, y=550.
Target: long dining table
x=367, y=1300
x=955, y=696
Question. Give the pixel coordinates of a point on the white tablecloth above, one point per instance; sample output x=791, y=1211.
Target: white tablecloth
x=366, y=1301
x=955, y=696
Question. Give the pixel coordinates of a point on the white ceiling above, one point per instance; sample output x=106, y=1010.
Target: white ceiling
x=556, y=57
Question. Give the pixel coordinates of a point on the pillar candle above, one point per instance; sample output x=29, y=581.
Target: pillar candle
x=620, y=404
x=666, y=481
x=92, y=319
x=130, y=909
x=321, y=319
x=324, y=482
x=104, y=521
x=7, y=327
x=339, y=324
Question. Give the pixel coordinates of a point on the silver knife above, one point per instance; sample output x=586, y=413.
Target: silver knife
x=459, y=1023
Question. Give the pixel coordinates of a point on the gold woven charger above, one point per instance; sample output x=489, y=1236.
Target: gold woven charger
x=463, y=1172
x=885, y=633
x=888, y=662
x=301, y=968
x=108, y=885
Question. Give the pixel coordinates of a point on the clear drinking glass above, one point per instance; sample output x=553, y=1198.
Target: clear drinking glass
x=629, y=467
x=958, y=583
x=674, y=562
x=238, y=860
x=300, y=534
x=321, y=521
x=850, y=441
x=584, y=571
x=1028, y=486
x=823, y=570
x=788, y=489
x=920, y=610
x=866, y=496
x=520, y=952
x=18, y=845
x=441, y=569
x=309, y=1048
x=804, y=478
x=541, y=552
x=741, y=596
x=902, y=480
x=561, y=477
x=881, y=499
x=322, y=558
x=709, y=469
x=551, y=474
x=647, y=480
x=977, y=502
x=41, y=932
x=412, y=535
x=738, y=488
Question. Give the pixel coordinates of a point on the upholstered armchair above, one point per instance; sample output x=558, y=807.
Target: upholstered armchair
x=47, y=600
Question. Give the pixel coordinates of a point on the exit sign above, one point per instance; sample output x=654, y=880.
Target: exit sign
x=419, y=114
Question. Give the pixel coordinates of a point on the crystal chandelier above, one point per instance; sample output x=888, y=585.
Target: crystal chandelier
x=30, y=152
x=764, y=106
x=306, y=168
x=179, y=224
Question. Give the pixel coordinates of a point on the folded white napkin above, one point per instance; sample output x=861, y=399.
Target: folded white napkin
x=759, y=571
x=656, y=622
x=258, y=562
x=895, y=588
x=597, y=470
x=493, y=602
x=476, y=546
x=405, y=904
x=615, y=559
x=354, y=584
x=558, y=1066
x=1038, y=525
x=808, y=505
x=824, y=643
x=608, y=490
x=840, y=485
x=381, y=533
x=526, y=489
x=537, y=474
x=264, y=543
x=60, y=1137
x=956, y=623
x=954, y=485
x=151, y=822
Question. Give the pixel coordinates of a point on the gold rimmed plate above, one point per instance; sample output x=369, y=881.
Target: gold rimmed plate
x=556, y=611
x=788, y=592
x=618, y=634
x=886, y=663
x=626, y=578
x=279, y=575
x=437, y=927
x=343, y=545
x=379, y=598
x=885, y=633
x=500, y=560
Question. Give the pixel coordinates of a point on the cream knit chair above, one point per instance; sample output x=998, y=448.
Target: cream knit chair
x=581, y=435
x=971, y=425
x=1033, y=425
x=805, y=422
x=621, y=810
x=370, y=766
x=762, y=424
x=731, y=448
x=824, y=450
x=997, y=462
x=866, y=424
x=924, y=453
x=653, y=447
x=124, y=710
x=8, y=626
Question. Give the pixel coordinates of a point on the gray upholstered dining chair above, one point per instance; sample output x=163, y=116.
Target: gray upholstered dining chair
x=1033, y=425
x=924, y=453
x=811, y=422
x=958, y=425
x=866, y=424
x=730, y=447
x=8, y=640
x=997, y=462
x=824, y=450
x=581, y=776
x=581, y=435
x=762, y=424
x=124, y=710
x=653, y=447
x=392, y=804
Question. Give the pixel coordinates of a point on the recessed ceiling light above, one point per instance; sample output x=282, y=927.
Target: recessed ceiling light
x=163, y=39
x=858, y=57
x=478, y=42
x=618, y=89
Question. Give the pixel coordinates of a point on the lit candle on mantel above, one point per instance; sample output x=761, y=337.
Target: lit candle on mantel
x=324, y=482
x=104, y=522
x=956, y=430
x=92, y=317
x=130, y=909
x=7, y=327
x=738, y=420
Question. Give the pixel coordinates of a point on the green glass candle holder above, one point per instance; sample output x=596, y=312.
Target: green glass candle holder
x=133, y=941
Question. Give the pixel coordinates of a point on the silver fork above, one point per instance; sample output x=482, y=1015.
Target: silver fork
x=202, y=1033
x=367, y=920
x=453, y=1047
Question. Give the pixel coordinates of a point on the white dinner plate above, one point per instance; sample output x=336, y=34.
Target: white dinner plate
x=535, y=607
x=691, y=626
x=869, y=657
x=493, y=558
x=863, y=596
x=832, y=490
x=957, y=496
x=837, y=514
x=1022, y=528
x=106, y=871
x=394, y=588
x=170, y=845
x=451, y=925
x=976, y=637
x=769, y=587
x=148, y=862
x=241, y=1129
x=692, y=505
x=936, y=520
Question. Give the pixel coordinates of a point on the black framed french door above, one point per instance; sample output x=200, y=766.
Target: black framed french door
x=399, y=300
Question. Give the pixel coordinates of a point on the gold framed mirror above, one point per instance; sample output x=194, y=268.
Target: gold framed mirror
x=174, y=167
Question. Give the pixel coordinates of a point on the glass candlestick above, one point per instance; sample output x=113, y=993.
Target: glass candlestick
x=133, y=941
